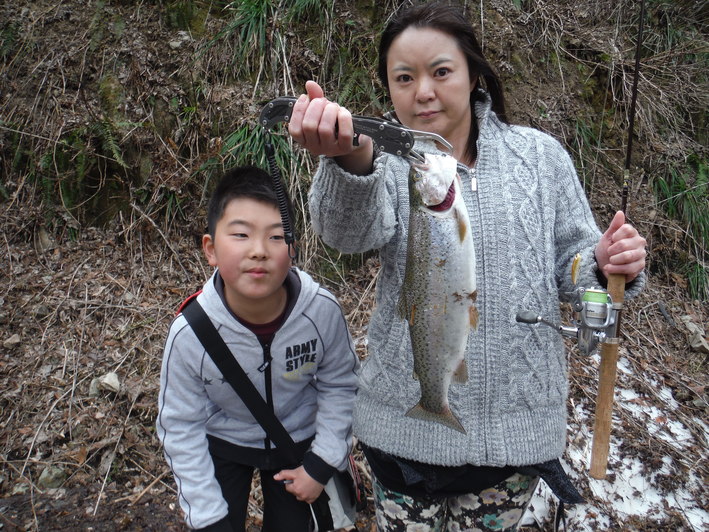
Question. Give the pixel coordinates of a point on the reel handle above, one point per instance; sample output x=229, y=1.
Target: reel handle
x=528, y=316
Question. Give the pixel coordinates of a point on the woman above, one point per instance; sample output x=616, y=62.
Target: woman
x=529, y=218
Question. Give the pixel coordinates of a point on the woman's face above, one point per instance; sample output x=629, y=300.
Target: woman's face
x=430, y=84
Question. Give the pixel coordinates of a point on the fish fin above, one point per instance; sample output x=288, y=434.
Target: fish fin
x=462, y=226
x=405, y=311
x=401, y=307
x=473, y=314
x=447, y=417
x=461, y=373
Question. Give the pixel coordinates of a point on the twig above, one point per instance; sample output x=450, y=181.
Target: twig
x=53, y=141
x=21, y=474
x=135, y=498
x=168, y=486
x=10, y=522
x=56, y=310
x=75, y=368
x=140, y=495
x=94, y=304
x=41, y=424
x=361, y=300
x=9, y=255
x=115, y=448
x=167, y=242
x=34, y=510
x=679, y=378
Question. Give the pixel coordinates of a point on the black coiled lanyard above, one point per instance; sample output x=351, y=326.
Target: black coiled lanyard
x=288, y=231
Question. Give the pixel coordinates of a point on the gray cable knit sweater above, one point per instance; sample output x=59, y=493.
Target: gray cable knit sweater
x=529, y=217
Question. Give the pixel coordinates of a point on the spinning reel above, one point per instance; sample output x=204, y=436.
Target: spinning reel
x=595, y=318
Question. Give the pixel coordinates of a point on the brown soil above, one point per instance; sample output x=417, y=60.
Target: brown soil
x=87, y=298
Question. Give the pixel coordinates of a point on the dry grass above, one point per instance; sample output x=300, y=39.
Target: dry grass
x=91, y=87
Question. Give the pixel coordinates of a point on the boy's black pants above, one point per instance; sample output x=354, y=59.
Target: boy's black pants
x=282, y=512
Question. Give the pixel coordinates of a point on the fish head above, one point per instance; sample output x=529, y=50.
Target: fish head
x=429, y=181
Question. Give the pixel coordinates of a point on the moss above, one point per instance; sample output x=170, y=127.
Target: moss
x=163, y=119
x=118, y=27
x=605, y=58
x=9, y=39
x=111, y=95
x=519, y=64
x=188, y=15
x=145, y=168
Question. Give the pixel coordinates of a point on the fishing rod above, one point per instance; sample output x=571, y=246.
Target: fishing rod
x=597, y=312
x=607, y=370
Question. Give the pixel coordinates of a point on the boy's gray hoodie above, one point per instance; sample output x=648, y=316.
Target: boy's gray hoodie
x=313, y=378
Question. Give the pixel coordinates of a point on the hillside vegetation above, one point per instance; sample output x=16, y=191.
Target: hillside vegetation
x=116, y=116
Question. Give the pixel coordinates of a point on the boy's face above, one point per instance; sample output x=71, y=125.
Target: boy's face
x=252, y=256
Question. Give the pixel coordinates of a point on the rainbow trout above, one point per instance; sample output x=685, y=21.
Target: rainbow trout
x=438, y=293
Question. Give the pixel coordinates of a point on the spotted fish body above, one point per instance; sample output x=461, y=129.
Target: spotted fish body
x=438, y=293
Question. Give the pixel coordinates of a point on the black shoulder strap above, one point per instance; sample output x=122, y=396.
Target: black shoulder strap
x=214, y=344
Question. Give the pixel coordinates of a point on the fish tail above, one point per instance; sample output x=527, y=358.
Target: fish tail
x=447, y=417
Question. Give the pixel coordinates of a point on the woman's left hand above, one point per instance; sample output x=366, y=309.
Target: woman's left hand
x=621, y=249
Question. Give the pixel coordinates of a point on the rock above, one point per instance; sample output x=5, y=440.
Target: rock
x=110, y=382
x=94, y=387
x=43, y=241
x=106, y=462
x=20, y=488
x=12, y=342
x=41, y=311
x=697, y=340
x=51, y=477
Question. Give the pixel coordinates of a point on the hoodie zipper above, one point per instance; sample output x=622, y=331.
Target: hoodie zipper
x=480, y=273
x=265, y=368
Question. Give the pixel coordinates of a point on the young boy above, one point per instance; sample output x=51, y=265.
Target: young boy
x=290, y=337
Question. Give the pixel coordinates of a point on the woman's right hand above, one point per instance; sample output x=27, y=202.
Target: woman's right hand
x=325, y=128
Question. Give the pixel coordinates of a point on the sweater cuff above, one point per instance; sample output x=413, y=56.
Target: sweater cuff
x=317, y=468
x=337, y=179
x=602, y=281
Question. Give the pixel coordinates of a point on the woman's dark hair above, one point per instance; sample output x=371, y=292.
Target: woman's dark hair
x=449, y=19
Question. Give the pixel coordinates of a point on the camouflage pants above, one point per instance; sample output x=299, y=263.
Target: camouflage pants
x=498, y=508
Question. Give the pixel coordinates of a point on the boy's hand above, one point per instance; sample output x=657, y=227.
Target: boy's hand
x=297, y=481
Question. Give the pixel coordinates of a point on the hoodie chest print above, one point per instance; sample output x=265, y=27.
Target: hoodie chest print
x=300, y=359
x=221, y=379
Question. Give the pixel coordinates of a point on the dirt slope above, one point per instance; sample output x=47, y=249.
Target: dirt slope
x=89, y=293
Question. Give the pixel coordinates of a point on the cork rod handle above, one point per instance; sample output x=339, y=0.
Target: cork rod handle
x=606, y=386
